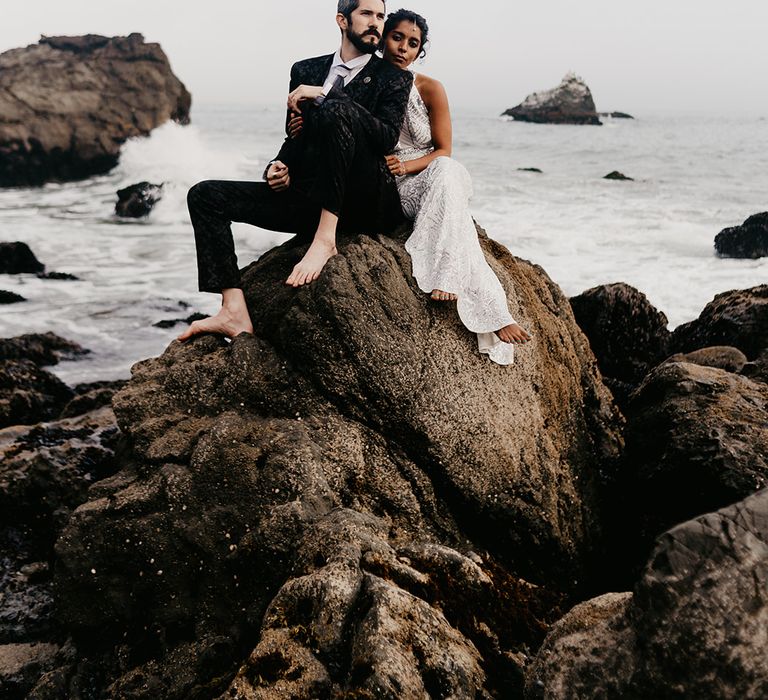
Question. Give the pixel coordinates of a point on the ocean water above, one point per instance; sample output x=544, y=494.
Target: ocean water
x=694, y=175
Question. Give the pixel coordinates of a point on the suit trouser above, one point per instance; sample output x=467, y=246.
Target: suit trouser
x=340, y=172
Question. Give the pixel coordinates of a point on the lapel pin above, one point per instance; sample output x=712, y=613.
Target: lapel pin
x=367, y=79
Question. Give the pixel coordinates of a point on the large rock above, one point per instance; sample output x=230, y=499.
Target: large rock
x=750, y=240
x=68, y=103
x=17, y=257
x=628, y=335
x=10, y=297
x=29, y=394
x=40, y=348
x=570, y=102
x=21, y=665
x=136, y=201
x=738, y=318
x=694, y=627
x=696, y=441
x=314, y=494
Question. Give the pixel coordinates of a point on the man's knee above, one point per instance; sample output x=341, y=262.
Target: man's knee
x=335, y=113
x=198, y=193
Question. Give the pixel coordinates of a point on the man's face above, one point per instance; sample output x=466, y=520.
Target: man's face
x=365, y=25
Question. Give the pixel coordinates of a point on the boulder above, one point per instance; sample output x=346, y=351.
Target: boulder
x=696, y=440
x=720, y=356
x=530, y=170
x=17, y=257
x=615, y=115
x=40, y=348
x=616, y=175
x=91, y=396
x=68, y=103
x=342, y=488
x=136, y=201
x=60, y=276
x=628, y=335
x=21, y=665
x=570, y=102
x=10, y=297
x=757, y=370
x=738, y=318
x=29, y=394
x=750, y=240
x=694, y=627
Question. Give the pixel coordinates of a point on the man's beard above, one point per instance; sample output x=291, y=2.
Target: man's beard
x=358, y=42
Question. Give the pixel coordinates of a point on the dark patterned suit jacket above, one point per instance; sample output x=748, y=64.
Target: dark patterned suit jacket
x=380, y=89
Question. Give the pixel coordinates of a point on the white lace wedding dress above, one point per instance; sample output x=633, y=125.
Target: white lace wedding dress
x=444, y=247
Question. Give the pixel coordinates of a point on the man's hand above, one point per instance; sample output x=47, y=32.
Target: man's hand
x=301, y=93
x=277, y=176
x=295, y=124
x=396, y=166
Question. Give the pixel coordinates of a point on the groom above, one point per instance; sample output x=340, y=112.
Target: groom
x=331, y=176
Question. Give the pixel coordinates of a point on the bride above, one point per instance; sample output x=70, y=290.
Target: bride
x=434, y=190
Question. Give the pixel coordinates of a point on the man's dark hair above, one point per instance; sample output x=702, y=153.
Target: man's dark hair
x=347, y=7
x=394, y=19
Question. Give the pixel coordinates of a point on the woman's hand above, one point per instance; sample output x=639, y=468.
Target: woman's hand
x=396, y=166
x=301, y=93
x=295, y=124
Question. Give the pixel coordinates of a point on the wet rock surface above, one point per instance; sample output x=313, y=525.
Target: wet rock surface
x=628, y=335
x=17, y=257
x=40, y=348
x=738, y=318
x=750, y=240
x=570, y=102
x=721, y=356
x=693, y=627
x=308, y=509
x=616, y=175
x=29, y=394
x=136, y=201
x=68, y=103
x=10, y=297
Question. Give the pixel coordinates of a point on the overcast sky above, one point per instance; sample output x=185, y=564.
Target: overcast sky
x=638, y=56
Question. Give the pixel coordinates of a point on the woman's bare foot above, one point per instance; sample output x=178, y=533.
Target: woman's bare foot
x=309, y=267
x=440, y=295
x=232, y=319
x=513, y=334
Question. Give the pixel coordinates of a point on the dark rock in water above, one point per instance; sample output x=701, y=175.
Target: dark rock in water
x=68, y=103
x=57, y=276
x=29, y=394
x=10, y=297
x=530, y=170
x=339, y=510
x=40, y=348
x=170, y=323
x=628, y=335
x=720, y=356
x=616, y=115
x=693, y=628
x=570, y=102
x=750, y=240
x=757, y=370
x=616, y=175
x=17, y=257
x=138, y=200
x=696, y=440
x=90, y=397
x=738, y=318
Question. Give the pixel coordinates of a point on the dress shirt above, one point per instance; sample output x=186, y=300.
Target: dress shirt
x=354, y=66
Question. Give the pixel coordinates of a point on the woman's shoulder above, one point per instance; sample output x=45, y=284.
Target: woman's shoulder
x=430, y=89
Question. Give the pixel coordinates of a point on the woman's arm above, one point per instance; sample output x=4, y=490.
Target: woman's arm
x=435, y=98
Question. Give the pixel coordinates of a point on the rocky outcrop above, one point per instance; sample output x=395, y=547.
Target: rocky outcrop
x=40, y=348
x=616, y=175
x=738, y=318
x=570, y=102
x=750, y=240
x=17, y=257
x=696, y=440
x=615, y=115
x=68, y=103
x=136, y=201
x=349, y=500
x=628, y=335
x=10, y=297
x=720, y=356
x=21, y=665
x=693, y=627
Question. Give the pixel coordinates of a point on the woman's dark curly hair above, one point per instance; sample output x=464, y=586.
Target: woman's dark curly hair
x=394, y=19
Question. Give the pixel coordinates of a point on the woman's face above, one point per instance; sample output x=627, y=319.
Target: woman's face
x=402, y=44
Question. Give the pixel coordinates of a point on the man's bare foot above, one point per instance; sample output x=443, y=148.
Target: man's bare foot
x=440, y=295
x=513, y=334
x=225, y=323
x=309, y=267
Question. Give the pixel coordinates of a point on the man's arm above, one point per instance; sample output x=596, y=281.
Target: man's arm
x=384, y=123
x=287, y=150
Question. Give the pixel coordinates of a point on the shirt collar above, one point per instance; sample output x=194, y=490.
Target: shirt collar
x=358, y=62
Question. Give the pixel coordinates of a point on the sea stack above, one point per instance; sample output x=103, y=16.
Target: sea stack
x=570, y=102
x=67, y=104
